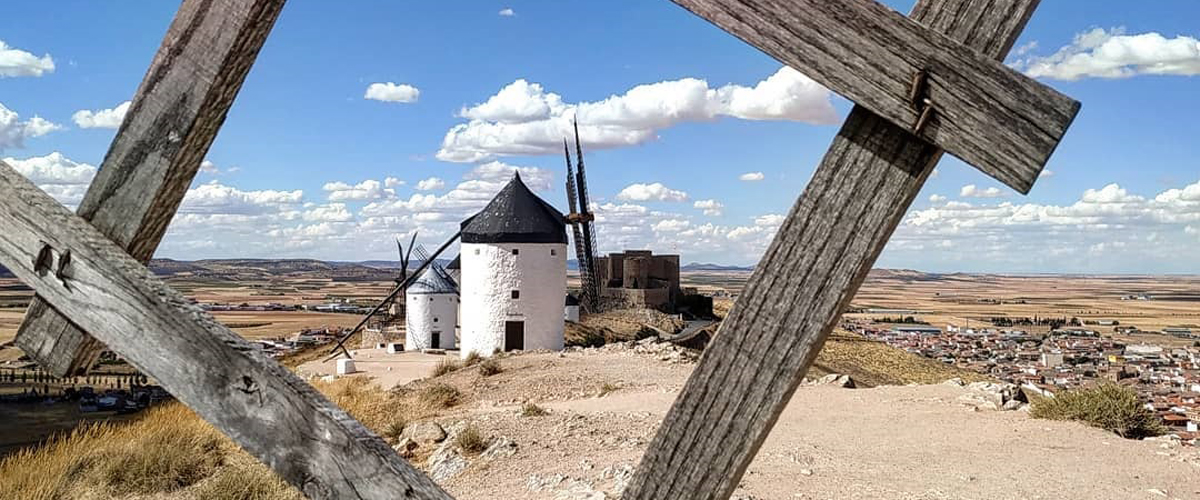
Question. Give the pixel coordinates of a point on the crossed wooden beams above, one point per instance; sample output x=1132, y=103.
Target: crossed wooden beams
x=921, y=86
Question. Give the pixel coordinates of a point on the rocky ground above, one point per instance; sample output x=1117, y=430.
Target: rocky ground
x=939, y=441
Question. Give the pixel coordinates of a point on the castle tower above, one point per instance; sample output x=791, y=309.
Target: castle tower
x=514, y=274
x=432, y=302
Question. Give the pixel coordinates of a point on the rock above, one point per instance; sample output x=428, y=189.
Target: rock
x=424, y=432
x=1011, y=405
x=500, y=447
x=834, y=379
x=405, y=447
x=996, y=393
x=957, y=382
x=446, y=463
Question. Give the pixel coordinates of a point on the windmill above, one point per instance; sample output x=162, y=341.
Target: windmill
x=583, y=232
x=384, y=325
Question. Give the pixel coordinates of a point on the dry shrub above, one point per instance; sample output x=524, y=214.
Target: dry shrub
x=1110, y=406
x=470, y=440
x=439, y=396
x=395, y=428
x=445, y=366
x=472, y=358
x=532, y=410
x=489, y=367
x=606, y=388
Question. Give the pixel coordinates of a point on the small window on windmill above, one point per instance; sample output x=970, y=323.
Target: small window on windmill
x=516, y=251
x=553, y=252
x=476, y=251
x=516, y=294
x=435, y=319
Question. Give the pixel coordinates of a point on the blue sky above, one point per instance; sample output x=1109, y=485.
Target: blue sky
x=302, y=165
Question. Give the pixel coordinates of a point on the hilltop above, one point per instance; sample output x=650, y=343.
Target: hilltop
x=597, y=410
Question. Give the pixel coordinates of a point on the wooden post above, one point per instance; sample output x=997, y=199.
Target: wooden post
x=180, y=105
x=812, y=269
x=262, y=406
x=988, y=115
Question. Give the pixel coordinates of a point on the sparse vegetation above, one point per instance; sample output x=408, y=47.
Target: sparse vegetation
x=439, y=396
x=472, y=358
x=446, y=366
x=489, y=367
x=606, y=388
x=1110, y=406
x=533, y=410
x=470, y=440
x=395, y=428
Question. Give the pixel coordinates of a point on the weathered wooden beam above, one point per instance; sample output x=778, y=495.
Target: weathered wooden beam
x=262, y=406
x=174, y=117
x=807, y=277
x=988, y=115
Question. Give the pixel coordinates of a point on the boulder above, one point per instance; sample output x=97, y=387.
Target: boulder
x=446, y=463
x=500, y=447
x=424, y=432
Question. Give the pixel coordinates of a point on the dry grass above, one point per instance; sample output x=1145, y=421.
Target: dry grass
x=606, y=388
x=532, y=410
x=489, y=367
x=439, y=396
x=872, y=363
x=1116, y=408
x=445, y=366
x=170, y=451
x=471, y=441
x=395, y=428
x=472, y=358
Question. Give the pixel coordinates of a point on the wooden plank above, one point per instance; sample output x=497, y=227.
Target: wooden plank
x=174, y=117
x=261, y=405
x=988, y=115
x=807, y=277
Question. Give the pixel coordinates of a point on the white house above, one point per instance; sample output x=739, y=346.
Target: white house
x=432, y=311
x=514, y=274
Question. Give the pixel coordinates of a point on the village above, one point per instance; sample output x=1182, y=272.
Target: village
x=1064, y=358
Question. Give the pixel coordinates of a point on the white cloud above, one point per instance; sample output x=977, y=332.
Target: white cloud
x=57, y=175
x=768, y=220
x=430, y=184
x=333, y=212
x=369, y=189
x=507, y=12
x=710, y=207
x=15, y=62
x=13, y=131
x=524, y=119
x=217, y=198
x=392, y=182
x=670, y=225
x=391, y=92
x=478, y=187
x=751, y=176
x=936, y=198
x=651, y=192
x=972, y=191
x=1111, y=53
x=1045, y=174
x=102, y=118
x=208, y=167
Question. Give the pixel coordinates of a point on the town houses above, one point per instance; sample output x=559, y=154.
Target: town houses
x=1167, y=378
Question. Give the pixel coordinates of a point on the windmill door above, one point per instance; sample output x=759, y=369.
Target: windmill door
x=514, y=335
x=436, y=340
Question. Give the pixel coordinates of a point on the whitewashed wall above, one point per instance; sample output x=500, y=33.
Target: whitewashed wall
x=571, y=313
x=490, y=272
x=420, y=320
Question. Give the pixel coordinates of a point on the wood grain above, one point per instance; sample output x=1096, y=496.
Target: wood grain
x=987, y=114
x=262, y=406
x=172, y=121
x=811, y=270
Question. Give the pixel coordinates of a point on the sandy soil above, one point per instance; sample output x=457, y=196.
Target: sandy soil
x=915, y=442
x=386, y=370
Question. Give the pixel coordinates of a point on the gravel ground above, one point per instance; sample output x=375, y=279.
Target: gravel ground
x=909, y=442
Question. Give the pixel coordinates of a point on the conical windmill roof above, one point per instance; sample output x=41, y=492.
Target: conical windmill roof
x=516, y=215
x=431, y=282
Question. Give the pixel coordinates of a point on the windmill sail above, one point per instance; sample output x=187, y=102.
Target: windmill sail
x=577, y=233
x=581, y=223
